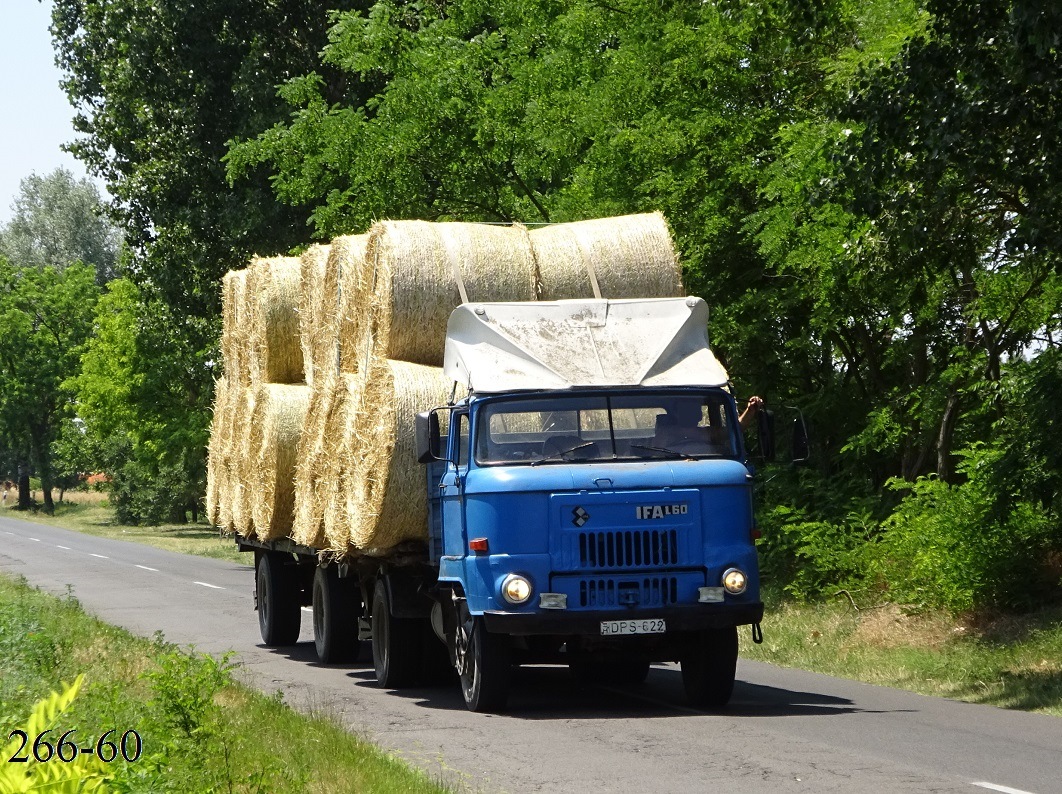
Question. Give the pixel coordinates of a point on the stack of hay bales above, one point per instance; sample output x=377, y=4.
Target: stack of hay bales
x=363, y=320
x=260, y=402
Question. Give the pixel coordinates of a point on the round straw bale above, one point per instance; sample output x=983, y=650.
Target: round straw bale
x=352, y=303
x=631, y=256
x=241, y=462
x=386, y=492
x=223, y=439
x=273, y=290
x=235, y=333
x=310, y=465
x=275, y=426
x=414, y=269
x=313, y=315
x=339, y=453
x=215, y=453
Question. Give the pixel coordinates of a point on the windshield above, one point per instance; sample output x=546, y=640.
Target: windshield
x=643, y=426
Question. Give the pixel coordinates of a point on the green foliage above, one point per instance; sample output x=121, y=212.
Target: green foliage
x=45, y=319
x=817, y=558
x=58, y=221
x=159, y=87
x=145, y=429
x=82, y=773
x=944, y=547
x=185, y=685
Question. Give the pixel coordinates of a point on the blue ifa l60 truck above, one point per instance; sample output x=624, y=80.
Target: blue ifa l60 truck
x=590, y=504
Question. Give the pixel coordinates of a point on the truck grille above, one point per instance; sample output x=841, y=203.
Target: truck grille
x=648, y=592
x=628, y=548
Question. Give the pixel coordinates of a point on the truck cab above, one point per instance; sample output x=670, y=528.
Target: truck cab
x=591, y=500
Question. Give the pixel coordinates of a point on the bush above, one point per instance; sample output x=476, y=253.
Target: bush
x=815, y=558
x=948, y=546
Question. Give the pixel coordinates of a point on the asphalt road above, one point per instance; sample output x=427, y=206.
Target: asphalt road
x=785, y=730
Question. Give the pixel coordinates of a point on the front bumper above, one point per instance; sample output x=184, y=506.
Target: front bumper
x=583, y=622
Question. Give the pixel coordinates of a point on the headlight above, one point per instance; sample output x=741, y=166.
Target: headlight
x=516, y=589
x=735, y=581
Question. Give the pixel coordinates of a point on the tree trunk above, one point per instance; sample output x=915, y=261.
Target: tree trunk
x=46, y=489
x=945, y=466
x=25, y=501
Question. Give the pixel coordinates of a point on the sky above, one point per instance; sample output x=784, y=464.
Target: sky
x=36, y=117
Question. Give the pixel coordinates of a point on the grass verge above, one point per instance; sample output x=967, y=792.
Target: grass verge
x=1005, y=660
x=200, y=730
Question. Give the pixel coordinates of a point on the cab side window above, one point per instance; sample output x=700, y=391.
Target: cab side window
x=462, y=440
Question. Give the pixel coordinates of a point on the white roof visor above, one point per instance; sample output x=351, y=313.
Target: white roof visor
x=502, y=347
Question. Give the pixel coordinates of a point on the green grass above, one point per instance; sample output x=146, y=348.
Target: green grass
x=201, y=731
x=1010, y=661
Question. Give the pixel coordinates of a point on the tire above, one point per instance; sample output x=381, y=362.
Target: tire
x=396, y=643
x=335, y=617
x=279, y=613
x=483, y=665
x=709, y=666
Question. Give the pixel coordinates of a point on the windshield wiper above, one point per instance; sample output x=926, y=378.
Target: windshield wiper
x=671, y=453
x=560, y=455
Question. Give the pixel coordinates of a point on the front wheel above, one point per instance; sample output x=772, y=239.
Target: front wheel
x=709, y=665
x=484, y=666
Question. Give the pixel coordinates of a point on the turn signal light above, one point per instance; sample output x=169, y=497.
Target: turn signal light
x=479, y=545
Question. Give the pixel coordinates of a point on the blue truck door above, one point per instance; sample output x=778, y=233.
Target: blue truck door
x=455, y=539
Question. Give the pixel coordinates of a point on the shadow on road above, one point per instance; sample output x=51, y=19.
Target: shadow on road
x=551, y=692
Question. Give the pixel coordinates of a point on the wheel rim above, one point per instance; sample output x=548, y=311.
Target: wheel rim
x=379, y=639
x=263, y=602
x=466, y=658
x=318, y=617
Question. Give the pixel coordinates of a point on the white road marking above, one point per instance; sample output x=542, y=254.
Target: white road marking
x=212, y=586
x=94, y=554
x=36, y=540
x=1004, y=789
x=67, y=548
x=156, y=570
x=307, y=609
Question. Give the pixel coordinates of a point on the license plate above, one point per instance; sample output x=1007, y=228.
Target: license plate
x=643, y=626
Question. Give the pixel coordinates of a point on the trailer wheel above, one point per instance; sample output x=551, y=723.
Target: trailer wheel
x=335, y=617
x=709, y=665
x=279, y=613
x=484, y=666
x=396, y=643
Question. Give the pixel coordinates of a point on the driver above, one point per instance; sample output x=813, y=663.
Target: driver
x=681, y=426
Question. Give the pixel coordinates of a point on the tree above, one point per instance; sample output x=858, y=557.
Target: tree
x=158, y=89
x=45, y=318
x=131, y=395
x=59, y=220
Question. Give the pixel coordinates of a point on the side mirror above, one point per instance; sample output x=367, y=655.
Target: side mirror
x=801, y=443
x=428, y=437
x=765, y=433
